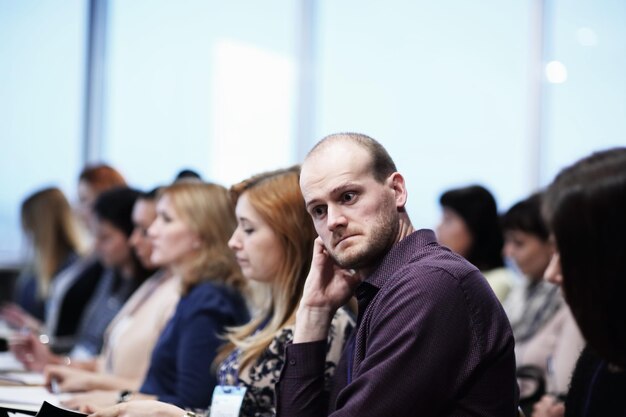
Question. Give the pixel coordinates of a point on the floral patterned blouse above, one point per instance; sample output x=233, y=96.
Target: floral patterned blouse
x=259, y=379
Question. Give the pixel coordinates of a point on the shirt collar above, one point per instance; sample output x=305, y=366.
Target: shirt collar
x=399, y=255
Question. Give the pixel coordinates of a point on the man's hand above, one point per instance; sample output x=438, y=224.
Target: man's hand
x=327, y=288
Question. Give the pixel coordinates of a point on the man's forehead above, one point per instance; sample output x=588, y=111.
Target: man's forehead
x=343, y=154
x=330, y=168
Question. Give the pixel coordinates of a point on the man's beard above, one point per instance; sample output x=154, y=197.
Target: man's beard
x=382, y=237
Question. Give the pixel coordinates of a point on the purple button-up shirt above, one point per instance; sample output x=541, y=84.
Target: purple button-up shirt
x=432, y=340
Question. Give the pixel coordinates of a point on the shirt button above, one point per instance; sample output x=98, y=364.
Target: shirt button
x=292, y=361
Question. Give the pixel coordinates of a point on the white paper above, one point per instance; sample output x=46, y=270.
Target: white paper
x=9, y=363
x=21, y=407
x=26, y=378
x=27, y=395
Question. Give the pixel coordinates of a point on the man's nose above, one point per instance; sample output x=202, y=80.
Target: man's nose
x=336, y=218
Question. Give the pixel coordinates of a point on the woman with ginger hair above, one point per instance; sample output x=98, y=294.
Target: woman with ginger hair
x=273, y=244
x=93, y=180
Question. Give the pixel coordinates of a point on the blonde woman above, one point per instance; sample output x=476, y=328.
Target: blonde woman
x=55, y=244
x=190, y=237
x=273, y=244
x=123, y=273
x=132, y=334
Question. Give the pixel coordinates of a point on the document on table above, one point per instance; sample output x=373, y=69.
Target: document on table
x=9, y=363
x=27, y=395
x=23, y=378
x=49, y=410
x=45, y=410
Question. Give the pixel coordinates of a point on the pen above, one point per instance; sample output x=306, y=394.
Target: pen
x=54, y=386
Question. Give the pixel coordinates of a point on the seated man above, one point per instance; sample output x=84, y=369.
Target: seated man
x=432, y=338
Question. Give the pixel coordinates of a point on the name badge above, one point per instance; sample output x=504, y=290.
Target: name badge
x=227, y=401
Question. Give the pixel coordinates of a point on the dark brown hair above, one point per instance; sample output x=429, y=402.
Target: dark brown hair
x=585, y=208
x=477, y=207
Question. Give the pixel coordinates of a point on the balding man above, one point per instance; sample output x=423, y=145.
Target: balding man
x=432, y=338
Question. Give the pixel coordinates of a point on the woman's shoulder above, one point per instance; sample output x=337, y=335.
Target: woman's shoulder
x=208, y=291
x=214, y=297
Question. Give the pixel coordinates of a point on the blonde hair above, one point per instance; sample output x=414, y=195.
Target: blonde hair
x=208, y=211
x=48, y=220
x=276, y=196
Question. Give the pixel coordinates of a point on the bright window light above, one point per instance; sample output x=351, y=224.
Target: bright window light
x=556, y=73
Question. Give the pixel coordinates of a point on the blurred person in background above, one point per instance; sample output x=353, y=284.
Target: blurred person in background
x=584, y=209
x=92, y=181
x=470, y=226
x=55, y=245
x=62, y=316
x=187, y=175
x=546, y=335
x=189, y=236
x=132, y=334
x=80, y=281
x=122, y=275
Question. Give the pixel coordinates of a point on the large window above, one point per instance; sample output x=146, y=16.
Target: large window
x=202, y=84
x=41, y=94
x=586, y=102
x=219, y=86
x=442, y=85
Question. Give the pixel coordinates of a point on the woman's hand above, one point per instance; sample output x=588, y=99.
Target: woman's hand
x=33, y=354
x=68, y=379
x=16, y=317
x=95, y=399
x=137, y=409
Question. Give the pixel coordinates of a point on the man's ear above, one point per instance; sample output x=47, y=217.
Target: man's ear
x=396, y=182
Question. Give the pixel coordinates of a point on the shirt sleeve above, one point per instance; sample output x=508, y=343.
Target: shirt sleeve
x=317, y=364
x=300, y=391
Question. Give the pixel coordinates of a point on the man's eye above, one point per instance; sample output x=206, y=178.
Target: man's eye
x=318, y=211
x=348, y=197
